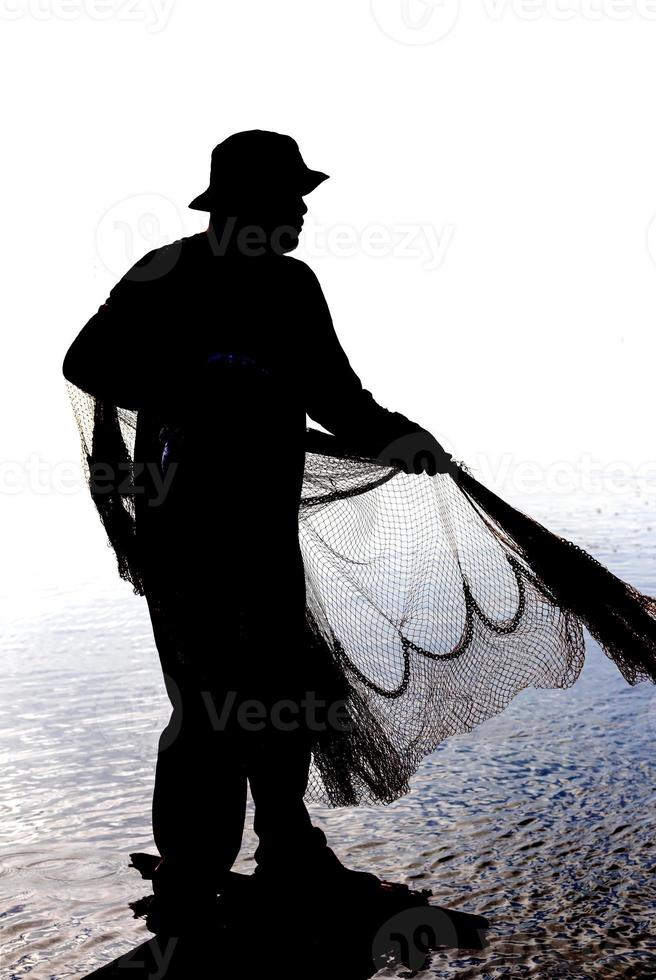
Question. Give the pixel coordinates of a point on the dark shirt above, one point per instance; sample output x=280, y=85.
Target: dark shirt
x=233, y=351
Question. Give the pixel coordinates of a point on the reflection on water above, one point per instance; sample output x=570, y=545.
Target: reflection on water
x=542, y=819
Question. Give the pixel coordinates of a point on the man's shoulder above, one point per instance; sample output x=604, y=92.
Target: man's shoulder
x=164, y=271
x=160, y=267
x=171, y=255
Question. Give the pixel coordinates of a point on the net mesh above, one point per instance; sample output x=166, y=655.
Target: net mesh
x=436, y=602
x=436, y=624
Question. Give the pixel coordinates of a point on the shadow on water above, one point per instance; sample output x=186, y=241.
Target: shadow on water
x=310, y=935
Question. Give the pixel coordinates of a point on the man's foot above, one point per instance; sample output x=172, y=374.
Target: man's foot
x=177, y=916
x=321, y=870
x=182, y=899
x=171, y=880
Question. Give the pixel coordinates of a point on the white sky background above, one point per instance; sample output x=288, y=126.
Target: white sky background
x=519, y=149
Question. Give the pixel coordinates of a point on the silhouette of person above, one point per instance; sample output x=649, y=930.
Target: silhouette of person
x=222, y=342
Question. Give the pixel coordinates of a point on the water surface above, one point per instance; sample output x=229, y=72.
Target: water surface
x=542, y=819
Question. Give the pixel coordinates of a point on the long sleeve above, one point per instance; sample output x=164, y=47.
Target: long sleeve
x=334, y=395
x=118, y=354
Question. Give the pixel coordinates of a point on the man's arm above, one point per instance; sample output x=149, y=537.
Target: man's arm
x=336, y=399
x=119, y=354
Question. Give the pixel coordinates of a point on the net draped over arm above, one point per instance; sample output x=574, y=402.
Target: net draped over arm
x=121, y=354
x=334, y=394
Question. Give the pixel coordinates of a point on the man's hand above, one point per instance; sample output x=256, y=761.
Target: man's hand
x=417, y=452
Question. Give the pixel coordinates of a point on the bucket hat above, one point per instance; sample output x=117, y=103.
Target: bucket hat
x=256, y=164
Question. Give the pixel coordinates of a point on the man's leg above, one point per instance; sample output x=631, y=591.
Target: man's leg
x=278, y=765
x=199, y=800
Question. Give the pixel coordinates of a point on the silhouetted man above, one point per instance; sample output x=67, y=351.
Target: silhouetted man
x=223, y=343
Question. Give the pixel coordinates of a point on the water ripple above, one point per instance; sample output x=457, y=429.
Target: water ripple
x=543, y=819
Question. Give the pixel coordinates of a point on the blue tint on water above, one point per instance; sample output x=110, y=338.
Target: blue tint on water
x=542, y=819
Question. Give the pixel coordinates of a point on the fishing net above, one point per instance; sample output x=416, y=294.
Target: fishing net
x=436, y=601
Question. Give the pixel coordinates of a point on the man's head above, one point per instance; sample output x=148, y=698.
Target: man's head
x=257, y=183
